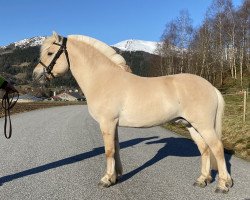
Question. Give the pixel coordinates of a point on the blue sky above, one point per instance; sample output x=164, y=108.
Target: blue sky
x=110, y=21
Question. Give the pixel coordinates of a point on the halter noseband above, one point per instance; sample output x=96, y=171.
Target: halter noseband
x=63, y=48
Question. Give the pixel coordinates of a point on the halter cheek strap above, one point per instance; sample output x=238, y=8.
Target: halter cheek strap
x=63, y=48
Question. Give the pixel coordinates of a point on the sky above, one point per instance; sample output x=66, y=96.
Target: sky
x=110, y=21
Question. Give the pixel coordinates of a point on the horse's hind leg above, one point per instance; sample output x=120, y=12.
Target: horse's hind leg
x=108, y=128
x=205, y=176
x=210, y=137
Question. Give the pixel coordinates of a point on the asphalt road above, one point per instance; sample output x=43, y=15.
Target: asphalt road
x=57, y=153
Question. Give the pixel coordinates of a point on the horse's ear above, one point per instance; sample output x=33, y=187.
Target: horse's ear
x=56, y=36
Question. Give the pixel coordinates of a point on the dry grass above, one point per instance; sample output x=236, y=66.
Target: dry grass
x=236, y=134
x=25, y=107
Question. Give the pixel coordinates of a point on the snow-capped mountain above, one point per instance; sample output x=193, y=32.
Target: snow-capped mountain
x=126, y=45
x=34, y=41
x=30, y=42
x=137, y=45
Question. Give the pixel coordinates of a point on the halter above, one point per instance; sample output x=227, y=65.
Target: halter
x=48, y=69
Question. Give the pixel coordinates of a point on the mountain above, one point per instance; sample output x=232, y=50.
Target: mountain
x=29, y=42
x=18, y=59
x=137, y=45
x=126, y=45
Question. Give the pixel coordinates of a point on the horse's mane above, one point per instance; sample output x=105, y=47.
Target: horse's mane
x=104, y=49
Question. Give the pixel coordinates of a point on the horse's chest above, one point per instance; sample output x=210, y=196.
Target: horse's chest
x=93, y=114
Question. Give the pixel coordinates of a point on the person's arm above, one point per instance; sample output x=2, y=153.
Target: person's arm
x=3, y=83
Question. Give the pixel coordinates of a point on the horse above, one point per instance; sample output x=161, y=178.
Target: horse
x=117, y=97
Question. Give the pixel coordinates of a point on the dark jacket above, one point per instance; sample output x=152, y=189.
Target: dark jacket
x=3, y=83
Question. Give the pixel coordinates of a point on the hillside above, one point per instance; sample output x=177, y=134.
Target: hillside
x=18, y=59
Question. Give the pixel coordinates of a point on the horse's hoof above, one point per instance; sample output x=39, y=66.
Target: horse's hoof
x=200, y=184
x=230, y=183
x=103, y=184
x=221, y=190
x=209, y=180
x=119, y=172
x=118, y=178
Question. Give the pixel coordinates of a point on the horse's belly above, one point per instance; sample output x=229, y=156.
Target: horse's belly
x=145, y=118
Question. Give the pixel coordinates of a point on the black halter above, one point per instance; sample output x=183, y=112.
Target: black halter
x=63, y=48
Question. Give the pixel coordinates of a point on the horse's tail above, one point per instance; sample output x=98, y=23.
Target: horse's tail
x=218, y=124
x=219, y=114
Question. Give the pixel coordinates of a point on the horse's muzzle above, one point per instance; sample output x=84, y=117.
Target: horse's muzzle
x=41, y=78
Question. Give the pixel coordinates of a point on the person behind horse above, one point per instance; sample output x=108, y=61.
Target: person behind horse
x=5, y=86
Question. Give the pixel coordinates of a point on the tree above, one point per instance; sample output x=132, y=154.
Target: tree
x=184, y=35
x=176, y=40
x=243, y=38
x=216, y=50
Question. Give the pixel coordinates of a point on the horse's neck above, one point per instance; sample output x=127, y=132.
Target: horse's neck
x=88, y=71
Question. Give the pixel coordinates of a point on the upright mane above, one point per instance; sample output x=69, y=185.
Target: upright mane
x=104, y=49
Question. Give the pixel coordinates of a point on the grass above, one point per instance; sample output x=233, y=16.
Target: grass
x=235, y=134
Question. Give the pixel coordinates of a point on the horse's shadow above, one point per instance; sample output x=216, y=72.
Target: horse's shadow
x=70, y=160
x=180, y=147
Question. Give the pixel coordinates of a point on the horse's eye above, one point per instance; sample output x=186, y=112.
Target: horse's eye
x=50, y=53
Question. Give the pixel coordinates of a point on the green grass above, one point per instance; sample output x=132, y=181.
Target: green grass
x=235, y=134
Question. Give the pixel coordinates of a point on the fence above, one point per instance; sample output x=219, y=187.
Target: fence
x=238, y=99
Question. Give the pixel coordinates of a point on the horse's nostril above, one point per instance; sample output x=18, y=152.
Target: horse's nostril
x=35, y=76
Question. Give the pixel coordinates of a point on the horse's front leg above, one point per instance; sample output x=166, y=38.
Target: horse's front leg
x=118, y=163
x=108, y=129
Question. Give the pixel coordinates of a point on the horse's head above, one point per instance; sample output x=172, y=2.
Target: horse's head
x=54, y=59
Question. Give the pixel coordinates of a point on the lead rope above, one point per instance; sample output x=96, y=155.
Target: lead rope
x=8, y=104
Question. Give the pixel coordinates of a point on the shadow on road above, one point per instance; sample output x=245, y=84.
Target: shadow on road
x=69, y=160
x=180, y=147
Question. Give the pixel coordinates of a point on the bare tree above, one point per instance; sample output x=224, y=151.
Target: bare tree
x=167, y=50
x=218, y=49
x=201, y=45
x=229, y=37
x=176, y=40
x=184, y=35
x=242, y=39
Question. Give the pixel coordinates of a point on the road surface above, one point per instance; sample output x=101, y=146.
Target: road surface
x=57, y=153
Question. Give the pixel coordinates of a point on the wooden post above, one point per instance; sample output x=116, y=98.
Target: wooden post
x=244, y=106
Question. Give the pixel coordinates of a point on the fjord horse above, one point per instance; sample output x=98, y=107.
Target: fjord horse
x=116, y=97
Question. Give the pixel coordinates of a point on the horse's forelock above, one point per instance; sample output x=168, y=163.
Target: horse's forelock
x=47, y=43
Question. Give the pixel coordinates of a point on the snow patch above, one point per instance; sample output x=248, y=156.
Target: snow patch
x=34, y=41
x=137, y=45
x=29, y=42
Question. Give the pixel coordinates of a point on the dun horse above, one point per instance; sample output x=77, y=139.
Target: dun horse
x=118, y=98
